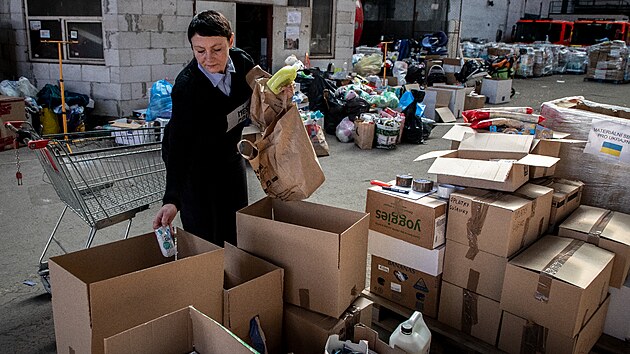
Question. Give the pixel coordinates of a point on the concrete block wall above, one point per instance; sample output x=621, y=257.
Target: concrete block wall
x=13, y=42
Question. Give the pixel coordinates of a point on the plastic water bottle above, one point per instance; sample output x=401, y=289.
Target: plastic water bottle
x=165, y=241
x=345, y=68
x=412, y=336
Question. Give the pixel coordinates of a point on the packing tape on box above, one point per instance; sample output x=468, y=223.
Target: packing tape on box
x=478, y=213
x=596, y=231
x=473, y=280
x=534, y=338
x=469, y=311
x=546, y=275
x=531, y=215
x=404, y=180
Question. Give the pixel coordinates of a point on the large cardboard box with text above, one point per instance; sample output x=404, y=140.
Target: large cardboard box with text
x=558, y=283
x=107, y=289
x=184, y=331
x=252, y=287
x=420, y=222
x=470, y=312
x=11, y=109
x=323, y=250
x=605, y=228
x=306, y=332
x=518, y=335
x=496, y=222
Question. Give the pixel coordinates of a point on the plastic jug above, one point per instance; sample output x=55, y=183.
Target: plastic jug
x=412, y=336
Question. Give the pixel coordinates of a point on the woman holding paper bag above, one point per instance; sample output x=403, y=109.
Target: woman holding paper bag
x=211, y=100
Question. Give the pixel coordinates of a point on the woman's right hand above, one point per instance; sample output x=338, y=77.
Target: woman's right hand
x=165, y=216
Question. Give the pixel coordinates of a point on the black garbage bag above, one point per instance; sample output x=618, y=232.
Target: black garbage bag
x=355, y=106
x=416, y=129
x=314, y=88
x=334, y=110
x=415, y=74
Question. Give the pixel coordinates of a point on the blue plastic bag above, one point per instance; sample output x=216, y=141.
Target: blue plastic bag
x=406, y=99
x=160, y=103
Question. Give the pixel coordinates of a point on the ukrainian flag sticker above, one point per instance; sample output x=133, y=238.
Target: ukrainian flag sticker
x=611, y=149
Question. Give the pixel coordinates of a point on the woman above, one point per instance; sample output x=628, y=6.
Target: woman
x=210, y=103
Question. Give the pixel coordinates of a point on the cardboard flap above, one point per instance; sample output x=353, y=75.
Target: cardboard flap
x=446, y=114
x=456, y=133
x=434, y=154
x=496, y=171
x=585, y=218
x=580, y=269
x=538, y=160
x=497, y=142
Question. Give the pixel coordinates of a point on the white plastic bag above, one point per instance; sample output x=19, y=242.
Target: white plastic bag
x=26, y=88
x=344, y=130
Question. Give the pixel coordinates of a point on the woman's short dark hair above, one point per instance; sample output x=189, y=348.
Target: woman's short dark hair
x=209, y=23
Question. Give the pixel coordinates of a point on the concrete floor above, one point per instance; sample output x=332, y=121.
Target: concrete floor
x=29, y=212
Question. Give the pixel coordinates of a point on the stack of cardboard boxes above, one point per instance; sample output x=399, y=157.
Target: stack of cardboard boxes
x=608, y=61
x=507, y=279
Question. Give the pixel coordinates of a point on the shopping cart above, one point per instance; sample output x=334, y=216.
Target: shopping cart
x=104, y=176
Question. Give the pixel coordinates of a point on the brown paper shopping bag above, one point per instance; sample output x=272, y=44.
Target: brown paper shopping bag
x=265, y=105
x=364, y=134
x=284, y=159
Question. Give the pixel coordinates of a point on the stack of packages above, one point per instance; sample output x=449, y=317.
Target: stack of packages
x=543, y=60
x=576, y=62
x=608, y=61
x=510, y=278
x=525, y=63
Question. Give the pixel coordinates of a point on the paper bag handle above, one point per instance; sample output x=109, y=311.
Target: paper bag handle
x=248, y=152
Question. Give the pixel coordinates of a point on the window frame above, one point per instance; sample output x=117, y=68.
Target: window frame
x=333, y=29
x=65, y=36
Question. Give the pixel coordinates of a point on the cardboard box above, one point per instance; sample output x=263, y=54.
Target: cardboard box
x=405, y=285
x=107, y=289
x=405, y=253
x=252, y=287
x=322, y=249
x=488, y=221
x=518, y=335
x=474, y=101
x=606, y=229
x=617, y=323
x=567, y=196
x=11, y=109
x=364, y=332
x=476, y=162
x=456, y=102
x=307, y=331
x=182, y=331
x=546, y=147
x=434, y=99
x=421, y=222
x=538, y=222
x=470, y=313
x=482, y=275
x=558, y=283
x=497, y=91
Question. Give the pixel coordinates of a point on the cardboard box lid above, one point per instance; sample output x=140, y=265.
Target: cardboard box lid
x=612, y=225
x=456, y=133
x=496, y=199
x=538, y=160
x=446, y=114
x=496, y=171
x=517, y=145
x=177, y=332
x=584, y=262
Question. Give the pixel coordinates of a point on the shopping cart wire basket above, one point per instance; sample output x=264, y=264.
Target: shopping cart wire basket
x=104, y=176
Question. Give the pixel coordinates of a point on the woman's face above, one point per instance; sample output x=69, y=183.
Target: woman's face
x=212, y=52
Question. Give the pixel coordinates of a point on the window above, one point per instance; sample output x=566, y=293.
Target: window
x=69, y=20
x=322, y=28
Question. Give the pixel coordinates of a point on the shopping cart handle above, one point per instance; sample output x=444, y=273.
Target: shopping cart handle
x=14, y=125
x=37, y=144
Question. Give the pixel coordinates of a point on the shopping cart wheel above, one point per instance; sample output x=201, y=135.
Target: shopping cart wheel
x=45, y=276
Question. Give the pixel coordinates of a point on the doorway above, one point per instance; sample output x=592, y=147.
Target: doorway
x=254, y=32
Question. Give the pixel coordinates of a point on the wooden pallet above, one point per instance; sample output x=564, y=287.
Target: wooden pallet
x=606, y=81
x=444, y=339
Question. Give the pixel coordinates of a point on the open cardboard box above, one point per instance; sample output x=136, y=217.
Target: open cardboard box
x=252, y=287
x=489, y=161
x=107, y=289
x=557, y=282
x=181, y=331
x=323, y=250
